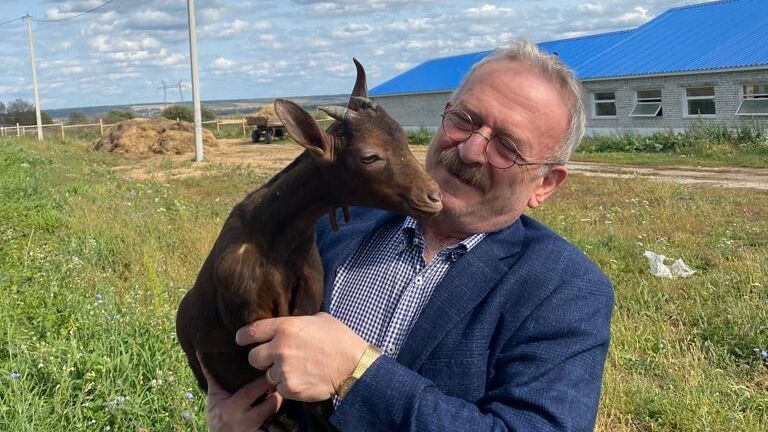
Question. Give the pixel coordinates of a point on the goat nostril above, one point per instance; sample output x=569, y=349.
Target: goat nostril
x=435, y=196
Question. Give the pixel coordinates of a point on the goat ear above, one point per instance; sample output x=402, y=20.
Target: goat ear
x=304, y=129
x=361, y=87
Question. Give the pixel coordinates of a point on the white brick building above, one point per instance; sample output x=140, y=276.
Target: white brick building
x=701, y=63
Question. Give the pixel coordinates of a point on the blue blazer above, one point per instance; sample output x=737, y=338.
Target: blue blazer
x=514, y=338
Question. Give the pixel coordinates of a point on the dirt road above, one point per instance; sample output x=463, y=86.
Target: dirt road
x=272, y=157
x=753, y=178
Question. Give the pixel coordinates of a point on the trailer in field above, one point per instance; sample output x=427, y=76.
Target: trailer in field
x=268, y=127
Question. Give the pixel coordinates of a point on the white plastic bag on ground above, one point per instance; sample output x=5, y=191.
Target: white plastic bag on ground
x=659, y=269
x=679, y=268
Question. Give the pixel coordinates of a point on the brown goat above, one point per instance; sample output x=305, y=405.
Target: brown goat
x=265, y=262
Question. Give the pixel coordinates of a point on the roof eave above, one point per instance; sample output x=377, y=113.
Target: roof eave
x=678, y=73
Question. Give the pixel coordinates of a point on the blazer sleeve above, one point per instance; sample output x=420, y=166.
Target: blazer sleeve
x=546, y=375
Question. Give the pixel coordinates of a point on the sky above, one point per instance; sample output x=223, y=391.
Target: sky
x=122, y=52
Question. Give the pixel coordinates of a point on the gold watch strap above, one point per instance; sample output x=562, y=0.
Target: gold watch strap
x=369, y=356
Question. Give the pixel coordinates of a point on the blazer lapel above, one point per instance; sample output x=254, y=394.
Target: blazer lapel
x=464, y=285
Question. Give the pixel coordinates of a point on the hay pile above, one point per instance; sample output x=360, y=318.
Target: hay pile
x=151, y=136
x=267, y=110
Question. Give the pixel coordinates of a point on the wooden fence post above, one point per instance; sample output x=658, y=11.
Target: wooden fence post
x=62, y=130
x=18, y=132
x=217, y=126
x=245, y=134
x=101, y=126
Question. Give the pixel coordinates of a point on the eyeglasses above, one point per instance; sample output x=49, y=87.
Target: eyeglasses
x=500, y=150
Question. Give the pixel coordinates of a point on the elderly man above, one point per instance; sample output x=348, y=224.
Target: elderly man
x=477, y=319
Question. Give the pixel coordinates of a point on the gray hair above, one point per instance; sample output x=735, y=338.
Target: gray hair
x=556, y=72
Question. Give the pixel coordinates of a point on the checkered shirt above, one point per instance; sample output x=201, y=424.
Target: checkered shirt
x=383, y=287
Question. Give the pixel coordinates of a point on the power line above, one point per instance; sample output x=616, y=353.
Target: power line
x=75, y=16
x=10, y=21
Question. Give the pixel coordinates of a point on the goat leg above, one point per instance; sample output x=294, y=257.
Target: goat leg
x=334, y=222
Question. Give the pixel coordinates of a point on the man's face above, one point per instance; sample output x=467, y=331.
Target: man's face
x=508, y=98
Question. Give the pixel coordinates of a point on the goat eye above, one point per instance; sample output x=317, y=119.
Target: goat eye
x=370, y=159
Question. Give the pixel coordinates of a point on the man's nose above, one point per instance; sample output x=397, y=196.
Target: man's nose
x=472, y=149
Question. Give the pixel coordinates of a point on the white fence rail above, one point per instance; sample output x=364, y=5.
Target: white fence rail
x=61, y=129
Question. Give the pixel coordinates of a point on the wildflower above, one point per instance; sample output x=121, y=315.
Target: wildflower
x=189, y=395
x=117, y=402
x=186, y=415
x=15, y=375
x=116, y=318
x=99, y=299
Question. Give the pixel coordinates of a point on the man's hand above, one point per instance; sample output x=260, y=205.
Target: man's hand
x=307, y=356
x=233, y=412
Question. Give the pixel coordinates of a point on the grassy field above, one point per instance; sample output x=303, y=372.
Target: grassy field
x=94, y=263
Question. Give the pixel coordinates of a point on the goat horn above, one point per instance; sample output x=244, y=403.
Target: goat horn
x=365, y=102
x=337, y=112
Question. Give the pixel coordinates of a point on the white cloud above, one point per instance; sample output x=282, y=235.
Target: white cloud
x=223, y=64
x=412, y=24
x=71, y=70
x=592, y=8
x=106, y=43
x=353, y=30
x=638, y=15
x=488, y=11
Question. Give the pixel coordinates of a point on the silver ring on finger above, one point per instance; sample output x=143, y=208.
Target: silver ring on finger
x=271, y=381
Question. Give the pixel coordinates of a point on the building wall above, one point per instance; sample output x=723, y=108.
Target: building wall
x=413, y=111
x=727, y=86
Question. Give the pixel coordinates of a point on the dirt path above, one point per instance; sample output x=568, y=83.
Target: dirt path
x=272, y=157
x=754, y=178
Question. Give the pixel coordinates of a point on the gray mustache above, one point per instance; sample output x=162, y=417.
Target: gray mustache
x=477, y=176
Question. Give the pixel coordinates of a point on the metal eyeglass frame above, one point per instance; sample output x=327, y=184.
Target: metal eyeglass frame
x=487, y=142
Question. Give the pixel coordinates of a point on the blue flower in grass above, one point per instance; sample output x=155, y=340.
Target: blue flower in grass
x=99, y=299
x=189, y=395
x=14, y=375
x=186, y=415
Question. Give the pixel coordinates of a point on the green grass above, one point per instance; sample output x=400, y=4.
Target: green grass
x=93, y=265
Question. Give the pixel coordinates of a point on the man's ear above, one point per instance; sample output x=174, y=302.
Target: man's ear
x=303, y=128
x=549, y=184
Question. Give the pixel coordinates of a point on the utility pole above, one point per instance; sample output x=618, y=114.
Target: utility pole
x=165, y=88
x=34, y=77
x=195, y=83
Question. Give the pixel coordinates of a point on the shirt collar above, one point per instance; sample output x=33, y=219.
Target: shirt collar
x=411, y=236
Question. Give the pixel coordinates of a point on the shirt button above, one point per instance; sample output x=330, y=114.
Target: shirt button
x=391, y=350
x=418, y=280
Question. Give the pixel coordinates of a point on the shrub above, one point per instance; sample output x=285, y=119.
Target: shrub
x=183, y=112
x=700, y=139
x=421, y=136
x=116, y=116
x=76, y=118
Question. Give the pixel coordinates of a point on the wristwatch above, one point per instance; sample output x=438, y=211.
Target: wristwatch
x=370, y=355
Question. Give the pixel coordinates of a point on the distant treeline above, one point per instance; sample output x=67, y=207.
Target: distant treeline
x=21, y=112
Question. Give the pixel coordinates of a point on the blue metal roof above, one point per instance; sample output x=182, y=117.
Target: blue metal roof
x=708, y=36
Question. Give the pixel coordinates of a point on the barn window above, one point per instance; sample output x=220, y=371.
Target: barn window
x=754, y=100
x=648, y=104
x=604, y=104
x=700, y=101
